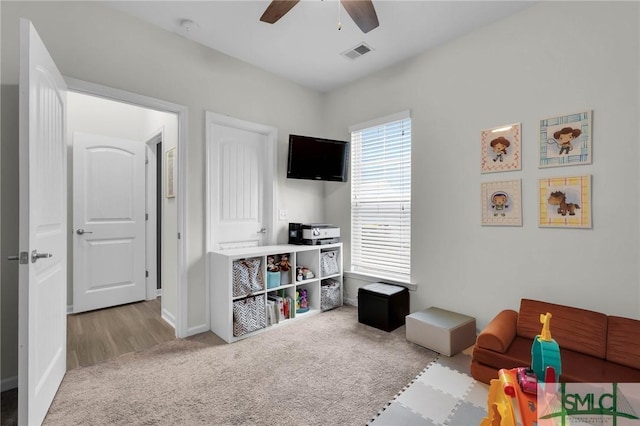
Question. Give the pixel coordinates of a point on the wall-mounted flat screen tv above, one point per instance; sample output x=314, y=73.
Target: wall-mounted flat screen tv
x=317, y=159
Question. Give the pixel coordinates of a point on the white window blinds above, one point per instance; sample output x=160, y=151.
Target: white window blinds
x=381, y=197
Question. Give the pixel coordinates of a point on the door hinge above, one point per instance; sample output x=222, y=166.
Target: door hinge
x=146, y=216
x=146, y=274
x=146, y=161
x=179, y=236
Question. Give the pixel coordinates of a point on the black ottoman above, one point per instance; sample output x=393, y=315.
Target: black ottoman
x=383, y=306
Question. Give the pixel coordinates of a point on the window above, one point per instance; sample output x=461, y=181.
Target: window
x=381, y=197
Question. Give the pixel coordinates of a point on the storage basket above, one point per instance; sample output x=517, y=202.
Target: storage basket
x=330, y=294
x=247, y=277
x=249, y=315
x=329, y=263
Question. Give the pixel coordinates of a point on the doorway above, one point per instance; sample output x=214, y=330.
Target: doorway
x=156, y=130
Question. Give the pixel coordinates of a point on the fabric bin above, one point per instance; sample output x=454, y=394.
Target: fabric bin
x=247, y=277
x=249, y=315
x=330, y=294
x=329, y=263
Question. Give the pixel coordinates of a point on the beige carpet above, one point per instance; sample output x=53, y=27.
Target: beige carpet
x=324, y=370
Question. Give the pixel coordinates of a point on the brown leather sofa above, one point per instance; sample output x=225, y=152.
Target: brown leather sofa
x=594, y=347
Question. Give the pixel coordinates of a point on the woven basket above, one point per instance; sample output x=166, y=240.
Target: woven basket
x=330, y=294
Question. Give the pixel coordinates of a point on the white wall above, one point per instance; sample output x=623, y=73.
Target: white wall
x=90, y=114
x=100, y=45
x=555, y=58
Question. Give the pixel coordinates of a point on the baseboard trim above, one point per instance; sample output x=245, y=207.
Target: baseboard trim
x=352, y=302
x=8, y=384
x=202, y=328
x=169, y=318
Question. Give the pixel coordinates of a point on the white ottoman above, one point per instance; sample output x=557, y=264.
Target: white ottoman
x=440, y=330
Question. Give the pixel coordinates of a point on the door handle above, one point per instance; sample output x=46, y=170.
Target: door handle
x=262, y=231
x=35, y=256
x=13, y=257
x=82, y=232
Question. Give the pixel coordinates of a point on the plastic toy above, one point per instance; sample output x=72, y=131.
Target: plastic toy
x=303, y=273
x=545, y=351
x=301, y=301
x=522, y=384
x=527, y=380
x=500, y=409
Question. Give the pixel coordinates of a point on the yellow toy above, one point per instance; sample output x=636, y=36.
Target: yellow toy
x=545, y=334
x=500, y=409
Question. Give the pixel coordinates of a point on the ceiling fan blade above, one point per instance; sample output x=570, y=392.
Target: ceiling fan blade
x=276, y=10
x=363, y=14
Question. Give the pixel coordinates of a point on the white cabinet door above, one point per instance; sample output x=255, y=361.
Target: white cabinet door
x=42, y=320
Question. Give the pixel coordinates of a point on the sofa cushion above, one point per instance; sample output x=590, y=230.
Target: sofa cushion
x=572, y=328
x=500, y=332
x=518, y=355
x=618, y=373
x=482, y=373
x=576, y=367
x=579, y=367
x=623, y=341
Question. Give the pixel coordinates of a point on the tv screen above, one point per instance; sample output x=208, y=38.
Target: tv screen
x=317, y=159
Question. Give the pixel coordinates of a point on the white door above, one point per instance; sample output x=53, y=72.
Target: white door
x=241, y=162
x=108, y=221
x=42, y=320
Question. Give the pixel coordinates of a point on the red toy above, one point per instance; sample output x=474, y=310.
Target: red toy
x=527, y=380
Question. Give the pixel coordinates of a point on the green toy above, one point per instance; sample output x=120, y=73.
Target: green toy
x=545, y=353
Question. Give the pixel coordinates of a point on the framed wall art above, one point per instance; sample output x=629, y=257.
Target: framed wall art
x=565, y=140
x=565, y=202
x=500, y=149
x=169, y=172
x=502, y=203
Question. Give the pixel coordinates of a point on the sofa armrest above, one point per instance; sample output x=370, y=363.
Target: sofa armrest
x=500, y=332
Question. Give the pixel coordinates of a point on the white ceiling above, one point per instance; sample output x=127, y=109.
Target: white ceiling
x=305, y=45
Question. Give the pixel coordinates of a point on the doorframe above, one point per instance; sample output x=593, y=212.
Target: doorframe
x=152, y=242
x=81, y=86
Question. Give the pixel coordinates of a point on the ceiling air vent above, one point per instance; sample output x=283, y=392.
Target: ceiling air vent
x=357, y=51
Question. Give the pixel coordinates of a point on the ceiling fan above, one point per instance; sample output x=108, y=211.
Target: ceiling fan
x=361, y=11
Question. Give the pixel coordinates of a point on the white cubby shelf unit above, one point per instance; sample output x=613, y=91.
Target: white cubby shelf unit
x=221, y=281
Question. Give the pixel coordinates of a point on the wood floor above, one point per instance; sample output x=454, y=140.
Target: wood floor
x=100, y=335
x=97, y=336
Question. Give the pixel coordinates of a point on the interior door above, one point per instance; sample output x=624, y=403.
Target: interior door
x=240, y=181
x=42, y=325
x=108, y=221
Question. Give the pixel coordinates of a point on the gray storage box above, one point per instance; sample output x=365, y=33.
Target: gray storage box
x=440, y=330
